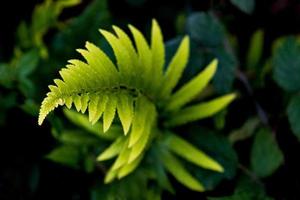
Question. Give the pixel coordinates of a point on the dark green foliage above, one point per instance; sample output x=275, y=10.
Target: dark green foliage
x=95, y=16
x=208, y=40
x=246, y=6
x=286, y=64
x=293, y=111
x=219, y=147
x=266, y=156
x=150, y=143
x=246, y=190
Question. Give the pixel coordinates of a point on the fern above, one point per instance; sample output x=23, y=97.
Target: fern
x=138, y=91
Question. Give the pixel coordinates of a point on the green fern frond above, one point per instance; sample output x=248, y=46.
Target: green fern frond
x=137, y=90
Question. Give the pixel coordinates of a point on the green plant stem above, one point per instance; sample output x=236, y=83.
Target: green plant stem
x=259, y=110
x=249, y=173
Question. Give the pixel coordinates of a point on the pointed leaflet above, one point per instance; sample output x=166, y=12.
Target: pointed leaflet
x=187, y=92
x=126, y=42
x=142, y=110
x=105, y=69
x=145, y=56
x=175, y=68
x=125, y=110
x=200, y=111
x=158, y=54
x=69, y=78
x=92, y=75
x=84, y=102
x=122, y=158
x=140, y=145
x=94, y=98
x=109, y=112
x=191, y=153
x=103, y=62
x=110, y=175
x=77, y=77
x=77, y=102
x=128, y=168
x=96, y=107
x=52, y=100
x=48, y=104
x=69, y=101
x=125, y=65
x=113, y=150
x=180, y=173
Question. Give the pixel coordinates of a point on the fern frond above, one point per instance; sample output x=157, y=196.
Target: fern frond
x=137, y=90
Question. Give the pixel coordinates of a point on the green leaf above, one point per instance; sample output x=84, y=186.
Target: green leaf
x=67, y=155
x=45, y=16
x=96, y=107
x=27, y=87
x=246, y=190
x=134, y=67
x=71, y=37
x=125, y=111
x=122, y=158
x=246, y=6
x=175, y=68
x=158, y=53
x=286, y=63
x=217, y=146
x=27, y=63
x=78, y=137
x=159, y=171
x=124, y=62
x=244, y=132
x=144, y=55
x=255, y=49
x=180, y=173
x=266, y=156
x=200, y=111
x=109, y=112
x=128, y=168
x=205, y=29
x=140, y=146
x=142, y=120
x=30, y=107
x=189, y=152
x=188, y=91
x=208, y=41
x=225, y=75
x=113, y=150
x=7, y=75
x=293, y=112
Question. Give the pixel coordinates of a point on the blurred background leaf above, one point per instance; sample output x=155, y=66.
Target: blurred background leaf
x=266, y=156
x=246, y=6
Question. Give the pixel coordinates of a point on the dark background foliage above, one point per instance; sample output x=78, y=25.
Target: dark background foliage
x=268, y=95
